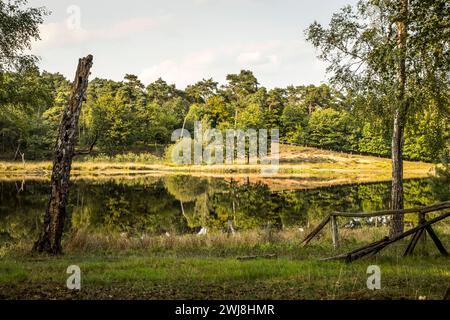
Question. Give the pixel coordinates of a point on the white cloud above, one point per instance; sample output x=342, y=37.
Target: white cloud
x=184, y=72
x=127, y=27
x=249, y=57
x=184, y=41
x=257, y=59
x=59, y=33
x=200, y=2
x=216, y=63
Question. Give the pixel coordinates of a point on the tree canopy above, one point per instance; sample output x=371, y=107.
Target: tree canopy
x=129, y=116
x=19, y=26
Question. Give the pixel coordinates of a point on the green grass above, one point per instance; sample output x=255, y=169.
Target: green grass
x=192, y=267
x=170, y=277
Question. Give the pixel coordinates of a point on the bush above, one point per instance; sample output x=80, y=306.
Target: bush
x=124, y=157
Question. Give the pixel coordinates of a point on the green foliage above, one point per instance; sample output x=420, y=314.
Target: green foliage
x=425, y=138
x=250, y=117
x=389, y=78
x=202, y=90
x=240, y=85
x=440, y=184
x=293, y=123
x=374, y=140
x=125, y=117
x=25, y=100
x=123, y=157
x=19, y=26
x=331, y=129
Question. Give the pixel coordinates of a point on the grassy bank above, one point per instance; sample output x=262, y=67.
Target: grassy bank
x=300, y=167
x=193, y=267
x=168, y=277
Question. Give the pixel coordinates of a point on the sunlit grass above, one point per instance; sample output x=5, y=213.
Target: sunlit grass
x=206, y=267
x=173, y=277
x=300, y=168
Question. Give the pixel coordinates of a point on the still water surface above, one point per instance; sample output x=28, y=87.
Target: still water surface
x=186, y=204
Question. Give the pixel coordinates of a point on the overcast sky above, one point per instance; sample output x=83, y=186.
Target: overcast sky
x=183, y=41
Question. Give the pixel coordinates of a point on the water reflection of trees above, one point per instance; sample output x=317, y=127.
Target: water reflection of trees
x=180, y=204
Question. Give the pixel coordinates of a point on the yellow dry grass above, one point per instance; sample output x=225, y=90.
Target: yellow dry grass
x=300, y=167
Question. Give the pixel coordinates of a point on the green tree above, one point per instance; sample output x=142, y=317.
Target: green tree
x=394, y=54
x=19, y=26
x=276, y=101
x=318, y=97
x=240, y=85
x=202, y=90
x=252, y=109
x=160, y=91
x=424, y=137
x=329, y=128
x=294, y=121
x=24, y=97
x=374, y=139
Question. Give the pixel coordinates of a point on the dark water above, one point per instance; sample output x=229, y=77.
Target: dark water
x=185, y=204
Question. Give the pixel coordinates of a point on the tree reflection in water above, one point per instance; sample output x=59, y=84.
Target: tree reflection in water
x=186, y=204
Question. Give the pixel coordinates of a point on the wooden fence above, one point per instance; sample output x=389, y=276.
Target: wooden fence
x=417, y=232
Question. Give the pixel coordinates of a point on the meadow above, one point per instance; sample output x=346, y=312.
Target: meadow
x=218, y=266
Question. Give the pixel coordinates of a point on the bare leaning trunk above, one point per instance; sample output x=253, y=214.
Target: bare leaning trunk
x=397, y=202
x=50, y=238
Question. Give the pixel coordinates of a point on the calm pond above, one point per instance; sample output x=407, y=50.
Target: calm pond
x=186, y=204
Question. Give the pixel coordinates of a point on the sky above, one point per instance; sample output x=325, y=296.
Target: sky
x=184, y=41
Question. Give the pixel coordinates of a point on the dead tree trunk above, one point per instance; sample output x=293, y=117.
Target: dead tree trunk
x=50, y=238
x=399, y=121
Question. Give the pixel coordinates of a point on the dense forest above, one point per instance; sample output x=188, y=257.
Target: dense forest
x=127, y=116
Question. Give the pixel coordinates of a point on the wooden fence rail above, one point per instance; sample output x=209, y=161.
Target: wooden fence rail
x=424, y=226
x=379, y=245
x=427, y=209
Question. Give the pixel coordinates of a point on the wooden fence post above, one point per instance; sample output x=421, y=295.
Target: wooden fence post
x=334, y=231
x=422, y=220
x=316, y=230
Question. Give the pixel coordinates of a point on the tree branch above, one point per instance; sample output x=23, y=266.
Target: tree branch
x=86, y=152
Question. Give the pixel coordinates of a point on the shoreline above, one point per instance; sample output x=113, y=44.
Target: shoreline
x=289, y=176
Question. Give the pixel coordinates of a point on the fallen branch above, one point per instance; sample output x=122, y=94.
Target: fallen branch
x=368, y=247
x=266, y=256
